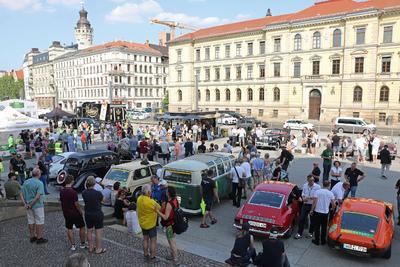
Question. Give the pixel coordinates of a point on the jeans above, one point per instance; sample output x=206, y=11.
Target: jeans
x=305, y=210
x=320, y=224
x=245, y=259
x=21, y=177
x=352, y=190
x=236, y=194
x=43, y=178
x=384, y=169
x=327, y=170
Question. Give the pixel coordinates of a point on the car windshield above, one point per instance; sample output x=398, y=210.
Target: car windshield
x=117, y=175
x=57, y=158
x=178, y=176
x=268, y=199
x=359, y=224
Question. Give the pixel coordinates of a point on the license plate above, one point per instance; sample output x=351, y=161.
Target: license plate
x=258, y=224
x=355, y=248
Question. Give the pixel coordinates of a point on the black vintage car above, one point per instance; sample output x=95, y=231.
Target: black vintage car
x=81, y=165
x=273, y=138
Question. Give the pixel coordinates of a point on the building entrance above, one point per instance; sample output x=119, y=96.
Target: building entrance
x=314, y=109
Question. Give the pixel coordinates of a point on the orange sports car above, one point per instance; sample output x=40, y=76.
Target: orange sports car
x=363, y=227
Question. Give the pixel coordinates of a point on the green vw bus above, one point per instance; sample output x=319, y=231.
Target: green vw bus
x=186, y=175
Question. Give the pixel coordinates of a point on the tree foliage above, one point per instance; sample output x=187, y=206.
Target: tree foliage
x=10, y=88
x=165, y=102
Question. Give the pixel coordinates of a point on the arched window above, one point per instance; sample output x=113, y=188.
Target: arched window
x=227, y=95
x=384, y=94
x=179, y=95
x=207, y=95
x=297, y=42
x=316, y=40
x=261, y=94
x=250, y=94
x=198, y=95
x=277, y=94
x=337, y=38
x=357, y=94
x=238, y=95
x=217, y=95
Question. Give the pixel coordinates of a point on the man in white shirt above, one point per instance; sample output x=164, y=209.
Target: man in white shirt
x=97, y=186
x=375, y=147
x=195, y=130
x=242, y=136
x=361, y=143
x=234, y=135
x=339, y=190
x=307, y=197
x=259, y=131
x=249, y=180
x=164, y=145
x=236, y=173
x=320, y=212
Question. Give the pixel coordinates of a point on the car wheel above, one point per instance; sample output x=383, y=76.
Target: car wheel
x=340, y=130
x=277, y=146
x=365, y=132
x=388, y=253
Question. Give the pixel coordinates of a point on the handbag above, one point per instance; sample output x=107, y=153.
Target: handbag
x=242, y=182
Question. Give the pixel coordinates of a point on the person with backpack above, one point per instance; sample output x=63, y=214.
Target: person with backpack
x=168, y=215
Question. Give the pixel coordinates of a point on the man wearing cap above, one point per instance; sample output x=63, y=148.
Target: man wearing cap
x=12, y=187
x=97, y=186
x=106, y=192
x=273, y=254
x=20, y=166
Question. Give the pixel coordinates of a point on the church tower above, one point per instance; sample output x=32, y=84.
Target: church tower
x=83, y=30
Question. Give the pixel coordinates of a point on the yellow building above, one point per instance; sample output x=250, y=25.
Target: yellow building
x=335, y=58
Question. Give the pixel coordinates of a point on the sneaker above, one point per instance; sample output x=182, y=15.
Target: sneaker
x=315, y=242
x=73, y=247
x=83, y=245
x=297, y=236
x=214, y=221
x=41, y=241
x=309, y=235
x=33, y=239
x=204, y=225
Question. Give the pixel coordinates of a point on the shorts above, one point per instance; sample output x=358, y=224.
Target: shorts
x=361, y=152
x=152, y=232
x=35, y=216
x=77, y=221
x=209, y=204
x=374, y=152
x=313, y=144
x=169, y=232
x=94, y=220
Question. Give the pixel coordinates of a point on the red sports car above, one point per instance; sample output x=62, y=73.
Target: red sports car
x=363, y=227
x=272, y=204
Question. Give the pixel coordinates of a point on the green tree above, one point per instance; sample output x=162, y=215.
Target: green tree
x=165, y=102
x=9, y=88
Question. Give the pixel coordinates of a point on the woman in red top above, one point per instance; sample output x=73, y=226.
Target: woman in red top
x=168, y=216
x=143, y=148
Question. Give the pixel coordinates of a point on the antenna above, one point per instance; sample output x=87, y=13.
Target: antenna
x=82, y=4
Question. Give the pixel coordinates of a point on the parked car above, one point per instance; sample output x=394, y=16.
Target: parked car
x=353, y=125
x=57, y=165
x=363, y=227
x=273, y=138
x=77, y=121
x=296, y=124
x=137, y=115
x=87, y=163
x=132, y=175
x=272, y=204
x=227, y=119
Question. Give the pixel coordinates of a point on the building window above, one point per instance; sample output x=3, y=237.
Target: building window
x=387, y=34
x=179, y=55
x=227, y=51
x=227, y=95
x=297, y=69
x=359, y=66
x=198, y=54
x=238, y=95
x=386, y=64
x=207, y=53
x=248, y=112
x=208, y=95
x=217, y=52
x=238, y=72
x=207, y=78
x=317, y=40
x=217, y=95
x=217, y=74
x=357, y=94
x=261, y=94
x=275, y=113
x=262, y=47
x=227, y=73
x=198, y=95
x=315, y=67
x=360, y=36
x=197, y=74
x=237, y=110
x=277, y=94
x=277, y=69
x=336, y=66
x=337, y=38
x=277, y=45
x=382, y=117
x=179, y=95
x=249, y=49
x=260, y=112
x=297, y=42
x=179, y=75
x=262, y=71
x=384, y=94
x=250, y=72
x=250, y=94
x=238, y=49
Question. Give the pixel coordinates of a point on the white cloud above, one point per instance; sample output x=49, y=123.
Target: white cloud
x=197, y=1
x=21, y=4
x=242, y=16
x=134, y=13
x=65, y=2
x=190, y=20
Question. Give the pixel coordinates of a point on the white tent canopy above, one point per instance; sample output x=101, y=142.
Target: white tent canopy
x=12, y=120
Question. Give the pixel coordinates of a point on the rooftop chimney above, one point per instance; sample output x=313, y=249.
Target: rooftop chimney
x=35, y=50
x=269, y=14
x=147, y=43
x=56, y=44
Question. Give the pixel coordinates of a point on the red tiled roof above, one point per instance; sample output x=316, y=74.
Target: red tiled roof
x=320, y=9
x=19, y=74
x=124, y=44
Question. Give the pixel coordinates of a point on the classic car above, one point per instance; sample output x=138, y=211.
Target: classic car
x=391, y=147
x=272, y=204
x=227, y=119
x=363, y=227
x=296, y=124
x=81, y=165
x=57, y=164
x=273, y=138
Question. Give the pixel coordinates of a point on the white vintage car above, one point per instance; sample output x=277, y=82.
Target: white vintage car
x=227, y=119
x=295, y=124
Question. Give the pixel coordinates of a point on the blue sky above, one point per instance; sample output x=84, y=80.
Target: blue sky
x=36, y=23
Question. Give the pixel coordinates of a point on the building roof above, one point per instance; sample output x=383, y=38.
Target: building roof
x=162, y=49
x=19, y=74
x=318, y=10
x=125, y=45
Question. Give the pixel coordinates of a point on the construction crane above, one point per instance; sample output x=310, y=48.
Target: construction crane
x=173, y=25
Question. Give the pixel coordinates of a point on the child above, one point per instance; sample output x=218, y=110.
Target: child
x=132, y=220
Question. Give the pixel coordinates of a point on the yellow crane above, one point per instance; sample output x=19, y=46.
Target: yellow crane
x=173, y=25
